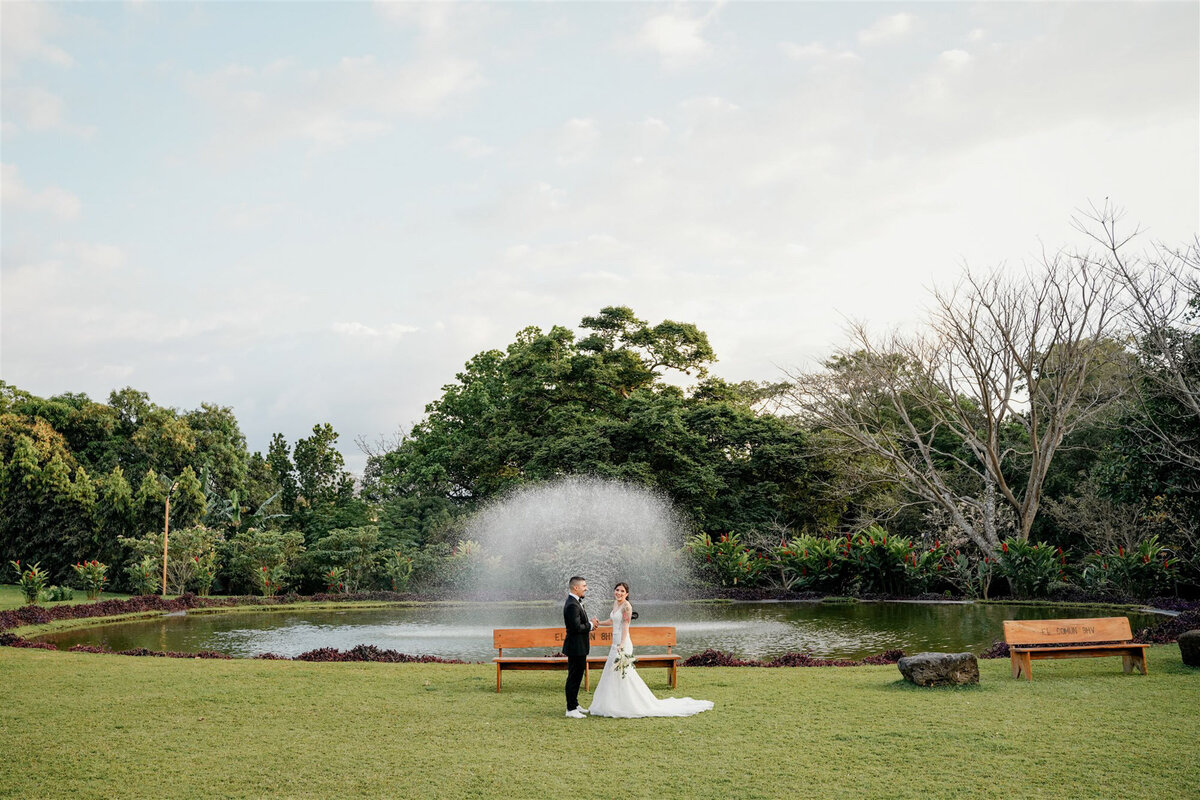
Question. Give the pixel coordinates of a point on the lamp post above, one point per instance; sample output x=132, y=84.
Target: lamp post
x=166, y=530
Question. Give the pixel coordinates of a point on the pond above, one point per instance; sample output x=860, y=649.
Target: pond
x=745, y=629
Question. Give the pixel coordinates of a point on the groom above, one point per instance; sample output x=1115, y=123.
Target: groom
x=576, y=644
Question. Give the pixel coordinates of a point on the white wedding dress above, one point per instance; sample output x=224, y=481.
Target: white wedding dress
x=628, y=695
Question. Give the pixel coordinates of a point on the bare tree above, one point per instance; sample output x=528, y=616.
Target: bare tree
x=1161, y=290
x=969, y=414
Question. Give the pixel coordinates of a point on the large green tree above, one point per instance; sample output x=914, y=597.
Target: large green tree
x=552, y=404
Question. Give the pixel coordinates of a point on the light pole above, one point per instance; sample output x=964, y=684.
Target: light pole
x=166, y=530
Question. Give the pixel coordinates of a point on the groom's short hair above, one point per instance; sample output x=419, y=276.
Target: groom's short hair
x=575, y=581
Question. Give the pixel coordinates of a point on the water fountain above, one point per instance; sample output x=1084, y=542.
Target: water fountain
x=538, y=536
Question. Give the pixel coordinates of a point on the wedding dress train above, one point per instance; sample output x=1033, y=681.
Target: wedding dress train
x=627, y=695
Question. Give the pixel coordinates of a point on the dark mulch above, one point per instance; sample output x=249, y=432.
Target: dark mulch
x=1169, y=629
x=12, y=640
x=719, y=658
x=369, y=652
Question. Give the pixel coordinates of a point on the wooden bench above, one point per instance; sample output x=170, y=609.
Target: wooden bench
x=601, y=639
x=1031, y=639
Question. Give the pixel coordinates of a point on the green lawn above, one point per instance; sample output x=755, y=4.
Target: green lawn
x=11, y=597
x=114, y=726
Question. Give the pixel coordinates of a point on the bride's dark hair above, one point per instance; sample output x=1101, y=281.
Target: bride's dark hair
x=633, y=615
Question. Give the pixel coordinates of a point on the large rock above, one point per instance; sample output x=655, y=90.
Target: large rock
x=940, y=669
x=1189, y=647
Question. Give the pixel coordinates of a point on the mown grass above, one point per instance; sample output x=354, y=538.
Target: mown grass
x=114, y=726
x=11, y=597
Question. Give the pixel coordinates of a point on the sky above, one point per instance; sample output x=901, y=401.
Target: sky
x=317, y=212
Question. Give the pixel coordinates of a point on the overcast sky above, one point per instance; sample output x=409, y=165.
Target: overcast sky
x=318, y=212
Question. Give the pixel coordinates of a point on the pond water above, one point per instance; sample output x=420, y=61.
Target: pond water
x=748, y=630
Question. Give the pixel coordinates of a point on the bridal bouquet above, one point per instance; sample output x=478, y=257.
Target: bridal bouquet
x=623, y=662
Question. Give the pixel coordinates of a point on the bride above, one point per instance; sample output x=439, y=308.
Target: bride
x=622, y=693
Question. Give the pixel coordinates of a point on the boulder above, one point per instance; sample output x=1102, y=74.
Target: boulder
x=1189, y=647
x=940, y=669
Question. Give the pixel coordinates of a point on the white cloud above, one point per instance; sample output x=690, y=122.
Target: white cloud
x=887, y=29
x=675, y=38
x=25, y=36
x=52, y=200
x=40, y=110
x=471, y=147
x=955, y=59
x=357, y=99
x=577, y=139
x=389, y=331
x=250, y=216
x=815, y=51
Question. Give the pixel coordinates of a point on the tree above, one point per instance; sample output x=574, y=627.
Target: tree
x=279, y=461
x=549, y=405
x=320, y=468
x=257, y=555
x=971, y=412
x=359, y=551
x=1161, y=291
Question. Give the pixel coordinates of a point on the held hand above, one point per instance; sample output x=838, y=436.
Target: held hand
x=595, y=622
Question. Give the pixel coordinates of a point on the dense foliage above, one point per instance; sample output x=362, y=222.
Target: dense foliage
x=772, y=502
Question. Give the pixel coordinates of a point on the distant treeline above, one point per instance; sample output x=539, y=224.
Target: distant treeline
x=761, y=462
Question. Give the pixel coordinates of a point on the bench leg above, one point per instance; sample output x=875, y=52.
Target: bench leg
x=1131, y=660
x=497, y=678
x=1022, y=662
x=587, y=678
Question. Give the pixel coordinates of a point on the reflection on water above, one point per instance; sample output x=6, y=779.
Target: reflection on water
x=749, y=630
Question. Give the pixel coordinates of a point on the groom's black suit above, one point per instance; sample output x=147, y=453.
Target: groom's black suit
x=576, y=646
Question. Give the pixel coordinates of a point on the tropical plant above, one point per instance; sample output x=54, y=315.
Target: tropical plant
x=144, y=575
x=53, y=594
x=206, y=568
x=189, y=546
x=971, y=576
x=31, y=580
x=399, y=569
x=335, y=580
x=1031, y=568
x=808, y=562
x=727, y=559
x=356, y=550
x=1147, y=570
x=93, y=576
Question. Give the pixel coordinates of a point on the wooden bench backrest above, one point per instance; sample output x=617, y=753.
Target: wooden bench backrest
x=1067, y=631
x=503, y=638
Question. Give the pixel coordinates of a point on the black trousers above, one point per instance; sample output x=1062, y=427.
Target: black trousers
x=575, y=668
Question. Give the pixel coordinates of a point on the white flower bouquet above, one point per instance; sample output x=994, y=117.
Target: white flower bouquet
x=623, y=662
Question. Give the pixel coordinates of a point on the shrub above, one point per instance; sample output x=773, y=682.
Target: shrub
x=144, y=575
x=249, y=551
x=727, y=560
x=399, y=569
x=811, y=563
x=1031, y=569
x=972, y=577
x=187, y=547
x=882, y=562
x=335, y=580
x=356, y=551
x=93, y=576
x=1143, y=571
x=31, y=580
x=54, y=594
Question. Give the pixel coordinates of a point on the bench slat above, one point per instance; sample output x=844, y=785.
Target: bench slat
x=648, y=636
x=1064, y=631
x=1033, y=640
x=600, y=637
